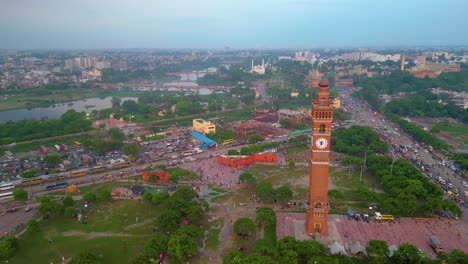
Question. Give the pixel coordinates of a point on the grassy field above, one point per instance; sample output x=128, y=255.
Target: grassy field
x=276, y=175
x=23, y=101
x=458, y=132
x=228, y=116
x=353, y=191
x=113, y=233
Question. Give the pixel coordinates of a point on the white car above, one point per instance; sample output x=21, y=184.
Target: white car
x=465, y=184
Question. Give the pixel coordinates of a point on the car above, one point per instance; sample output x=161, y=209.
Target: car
x=466, y=193
x=27, y=209
x=12, y=210
x=465, y=184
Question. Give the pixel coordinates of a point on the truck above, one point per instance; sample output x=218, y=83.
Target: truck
x=43, y=150
x=381, y=217
x=436, y=245
x=57, y=148
x=64, y=147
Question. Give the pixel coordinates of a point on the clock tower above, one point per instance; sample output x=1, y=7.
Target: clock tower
x=322, y=116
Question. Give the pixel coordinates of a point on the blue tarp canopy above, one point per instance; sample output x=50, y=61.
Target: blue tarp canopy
x=207, y=141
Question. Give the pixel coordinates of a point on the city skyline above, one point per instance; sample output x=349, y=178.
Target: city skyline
x=51, y=24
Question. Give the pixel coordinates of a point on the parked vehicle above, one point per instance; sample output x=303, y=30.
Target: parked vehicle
x=381, y=217
x=436, y=245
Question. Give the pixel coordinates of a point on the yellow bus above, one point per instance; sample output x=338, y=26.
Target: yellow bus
x=97, y=170
x=78, y=173
x=227, y=142
x=121, y=165
x=77, y=143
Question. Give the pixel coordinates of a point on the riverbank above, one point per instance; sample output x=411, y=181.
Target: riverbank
x=23, y=101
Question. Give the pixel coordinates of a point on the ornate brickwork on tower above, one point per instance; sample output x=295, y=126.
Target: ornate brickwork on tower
x=322, y=116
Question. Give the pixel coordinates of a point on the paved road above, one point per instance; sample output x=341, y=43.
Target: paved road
x=364, y=115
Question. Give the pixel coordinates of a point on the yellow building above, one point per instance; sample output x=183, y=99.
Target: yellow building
x=97, y=73
x=337, y=103
x=203, y=126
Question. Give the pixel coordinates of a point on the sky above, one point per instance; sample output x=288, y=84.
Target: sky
x=108, y=24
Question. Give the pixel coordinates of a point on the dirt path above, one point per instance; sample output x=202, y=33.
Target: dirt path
x=147, y=221
x=98, y=234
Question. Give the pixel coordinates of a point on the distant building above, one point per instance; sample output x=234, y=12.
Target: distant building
x=265, y=115
x=102, y=65
x=246, y=128
x=97, y=73
x=235, y=161
x=295, y=117
x=337, y=103
x=260, y=69
x=203, y=126
x=344, y=82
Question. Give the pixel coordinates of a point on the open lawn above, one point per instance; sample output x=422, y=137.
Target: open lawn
x=106, y=185
x=458, y=132
x=24, y=101
x=116, y=232
x=353, y=191
x=276, y=175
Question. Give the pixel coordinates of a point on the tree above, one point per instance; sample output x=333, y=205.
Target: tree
x=407, y=253
x=148, y=196
x=153, y=178
x=291, y=164
x=52, y=159
x=85, y=258
x=33, y=226
x=168, y=220
x=266, y=215
x=247, y=177
x=377, y=249
x=234, y=257
x=69, y=212
x=49, y=208
x=244, y=226
x=115, y=102
x=255, y=138
x=68, y=201
x=156, y=245
x=285, y=123
x=158, y=198
x=131, y=149
x=20, y=194
x=456, y=256
x=265, y=191
x=233, y=152
x=8, y=246
x=283, y=193
x=29, y=173
x=90, y=196
x=184, y=242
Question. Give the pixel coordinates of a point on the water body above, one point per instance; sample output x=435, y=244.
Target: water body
x=57, y=110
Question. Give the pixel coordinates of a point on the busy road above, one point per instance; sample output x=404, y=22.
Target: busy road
x=442, y=172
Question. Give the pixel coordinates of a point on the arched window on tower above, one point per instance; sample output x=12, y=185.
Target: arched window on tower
x=322, y=102
x=318, y=204
x=322, y=128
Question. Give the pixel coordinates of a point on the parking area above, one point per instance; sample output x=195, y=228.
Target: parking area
x=11, y=222
x=453, y=234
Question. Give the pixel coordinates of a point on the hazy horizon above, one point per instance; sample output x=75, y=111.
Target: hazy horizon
x=240, y=24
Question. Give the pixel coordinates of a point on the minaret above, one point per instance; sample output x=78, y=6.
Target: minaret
x=402, y=66
x=322, y=117
x=252, y=65
x=263, y=63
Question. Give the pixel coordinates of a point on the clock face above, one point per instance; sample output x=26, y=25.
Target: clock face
x=321, y=143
